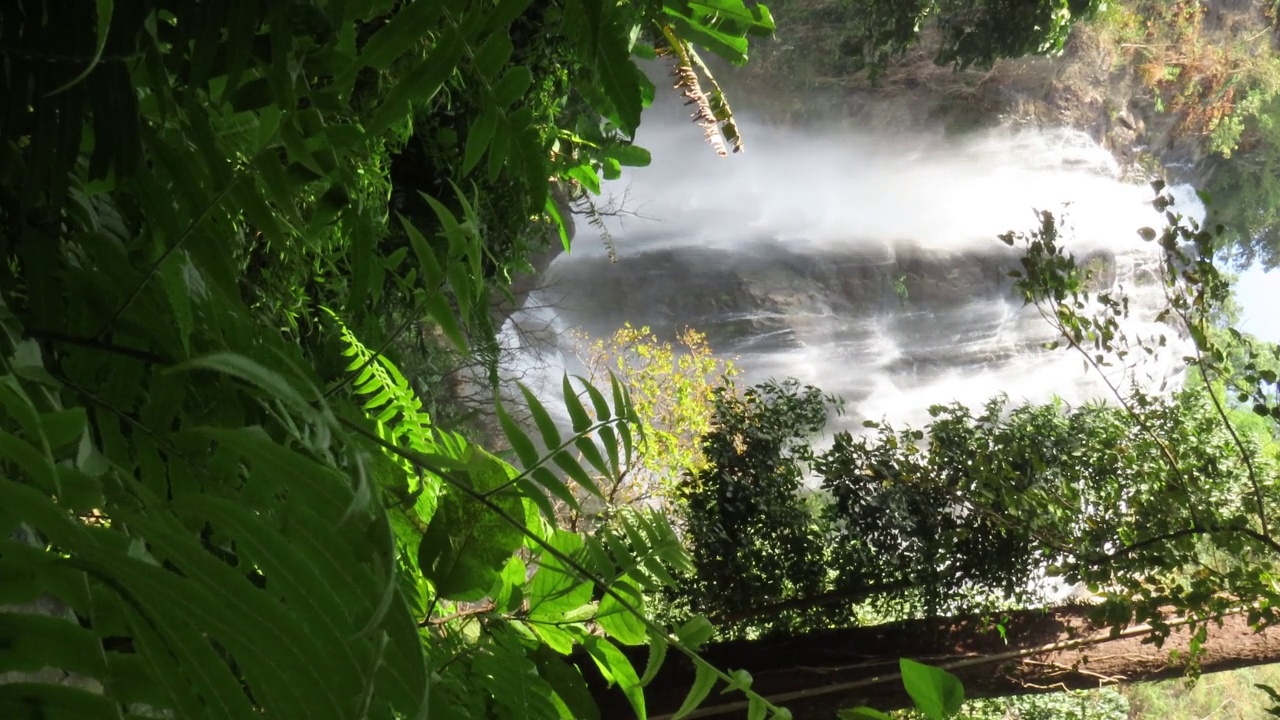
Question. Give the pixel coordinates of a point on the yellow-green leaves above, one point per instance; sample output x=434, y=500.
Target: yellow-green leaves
x=401, y=420
x=670, y=388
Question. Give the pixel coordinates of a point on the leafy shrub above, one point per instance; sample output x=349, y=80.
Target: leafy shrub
x=672, y=388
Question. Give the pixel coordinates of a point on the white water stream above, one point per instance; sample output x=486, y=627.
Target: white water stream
x=865, y=264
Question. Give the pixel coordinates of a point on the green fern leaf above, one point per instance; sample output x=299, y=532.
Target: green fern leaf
x=466, y=543
x=556, y=589
x=622, y=621
x=657, y=655
x=617, y=670
x=704, y=680
x=577, y=413
x=546, y=426
x=566, y=462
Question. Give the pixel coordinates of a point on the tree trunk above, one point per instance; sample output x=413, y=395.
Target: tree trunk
x=816, y=674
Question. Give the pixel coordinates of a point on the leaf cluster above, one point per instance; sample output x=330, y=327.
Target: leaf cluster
x=1153, y=501
x=671, y=386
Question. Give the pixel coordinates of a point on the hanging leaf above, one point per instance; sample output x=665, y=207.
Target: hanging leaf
x=104, y=10
x=557, y=487
x=513, y=85
x=399, y=34
x=617, y=670
x=704, y=681
x=629, y=155
x=546, y=426
x=574, y=470
x=421, y=83
x=695, y=632
x=657, y=655
x=253, y=372
x=553, y=212
x=566, y=681
x=577, y=412
x=493, y=54
x=586, y=176
x=479, y=135
x=520, y=442
x=937, y=693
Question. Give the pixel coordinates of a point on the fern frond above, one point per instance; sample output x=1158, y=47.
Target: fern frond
x=391, y=400
x=399, y=418
x=507, y=672
x=642, y=545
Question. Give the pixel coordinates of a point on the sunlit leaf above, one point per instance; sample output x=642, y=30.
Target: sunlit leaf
x=704, y=680
x=619, y=621
x=937, y=693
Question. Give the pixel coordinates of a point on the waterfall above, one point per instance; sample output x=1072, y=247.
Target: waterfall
x=866, y=264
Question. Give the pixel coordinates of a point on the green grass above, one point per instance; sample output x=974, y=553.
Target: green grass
x=1221, y=696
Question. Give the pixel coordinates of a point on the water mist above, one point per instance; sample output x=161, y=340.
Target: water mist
x=866, y=264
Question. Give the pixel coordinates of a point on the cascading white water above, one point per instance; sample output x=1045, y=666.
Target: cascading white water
x=865, y=264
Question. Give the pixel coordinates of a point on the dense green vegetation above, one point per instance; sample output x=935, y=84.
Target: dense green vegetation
x=1214, y=71
x=216, y=473
x=1160, y=506
x=961, y=33
x=239, y=236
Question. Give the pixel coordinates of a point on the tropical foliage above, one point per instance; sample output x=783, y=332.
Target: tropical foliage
x=224, y=497
x=745, y=519
x=221, y=496
x=967, y=513
x=1214, y=560
x=671, y=388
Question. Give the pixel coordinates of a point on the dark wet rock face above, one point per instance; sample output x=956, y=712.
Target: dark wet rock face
x=850, y=318
x=770, y=293
x=889, y=327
